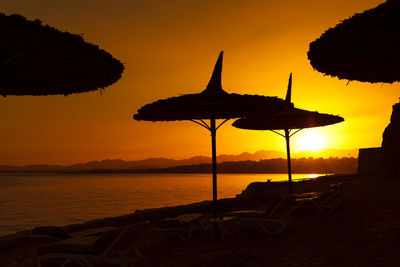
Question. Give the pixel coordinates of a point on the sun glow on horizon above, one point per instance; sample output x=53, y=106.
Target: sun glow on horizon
x=311, y=141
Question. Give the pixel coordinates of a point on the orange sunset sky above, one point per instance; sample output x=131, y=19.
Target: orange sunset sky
x=169, y=48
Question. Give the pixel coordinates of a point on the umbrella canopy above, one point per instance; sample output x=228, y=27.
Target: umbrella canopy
x=363, y=48
x=204, y=106
x=40, y=60
x=292, y=119
x=295, y=119
x=212, y=103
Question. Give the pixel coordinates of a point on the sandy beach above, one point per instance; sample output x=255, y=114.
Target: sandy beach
x=363, y=231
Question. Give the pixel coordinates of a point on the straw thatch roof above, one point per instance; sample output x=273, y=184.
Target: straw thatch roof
x=295, y=119
x=364, y=47
x=202, y=106
x=40, y=60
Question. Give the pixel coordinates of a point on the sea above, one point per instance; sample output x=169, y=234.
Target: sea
x=31, y=200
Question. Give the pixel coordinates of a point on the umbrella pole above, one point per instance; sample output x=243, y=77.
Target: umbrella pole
x=287, y=137
x=213, y=131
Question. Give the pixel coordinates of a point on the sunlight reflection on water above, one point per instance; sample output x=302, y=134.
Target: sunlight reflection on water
x=32, y=200
x=310, y=176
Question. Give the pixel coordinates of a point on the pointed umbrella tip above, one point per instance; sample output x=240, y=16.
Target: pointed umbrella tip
x=214, y=86
x=219, y=60
x=289, y=90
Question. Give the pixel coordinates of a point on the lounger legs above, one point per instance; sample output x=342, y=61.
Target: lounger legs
x=87, y=260
x=261, y=223
x=69, y=258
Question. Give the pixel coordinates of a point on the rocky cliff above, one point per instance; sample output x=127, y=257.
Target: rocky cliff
x=391, y=145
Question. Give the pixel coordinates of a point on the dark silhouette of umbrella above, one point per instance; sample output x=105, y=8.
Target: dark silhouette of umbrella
x=294, y=119
x=40, y=60
x=364, y=47
x=211, y=104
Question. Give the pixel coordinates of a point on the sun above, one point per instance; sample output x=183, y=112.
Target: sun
x=311, y=141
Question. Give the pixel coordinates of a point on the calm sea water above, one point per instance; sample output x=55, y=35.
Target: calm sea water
x=27, y=201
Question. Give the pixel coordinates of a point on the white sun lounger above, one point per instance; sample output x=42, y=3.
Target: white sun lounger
x=273, y=220
x=326, y=201
x=118, y=246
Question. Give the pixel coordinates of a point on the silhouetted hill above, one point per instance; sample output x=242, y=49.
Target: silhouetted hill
x=259, y=155
x=304, y=165
x=157, y=163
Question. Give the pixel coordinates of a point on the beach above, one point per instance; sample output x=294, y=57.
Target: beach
x=59, y=200
x=363, y=231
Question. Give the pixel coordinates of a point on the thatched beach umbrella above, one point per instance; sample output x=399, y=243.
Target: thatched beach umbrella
x=40, y=60
x=211, y=104
x=364, y=47
x=294, y=119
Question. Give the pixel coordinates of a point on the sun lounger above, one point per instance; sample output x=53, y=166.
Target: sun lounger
x=273, y=220
x=54, y=232
x=58, y=233
x=326, y=201
x=183, y=225
x=118, y=246
x=93, y=231
x=218, y=227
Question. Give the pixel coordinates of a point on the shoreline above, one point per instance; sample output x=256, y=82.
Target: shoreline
x=143, y=214
x=370, y=208
x=160, y=212
x=22, y=223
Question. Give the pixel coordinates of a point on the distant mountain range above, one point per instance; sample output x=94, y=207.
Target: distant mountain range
x=162, y=163
x=303, y=165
